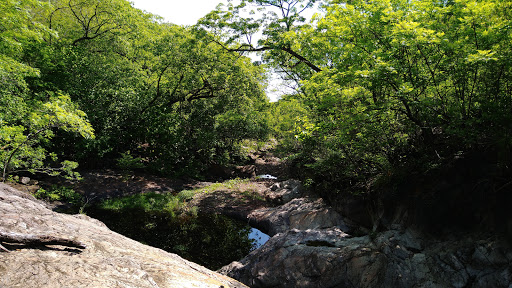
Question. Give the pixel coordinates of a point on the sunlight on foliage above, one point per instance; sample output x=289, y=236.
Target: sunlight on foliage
x=173, y=203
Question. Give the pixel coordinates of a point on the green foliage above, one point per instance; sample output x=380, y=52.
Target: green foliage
x=28, y=119
x=228, y=185
x=62, y=193
x=149, y=202
x=286, y=117
x=21, y=145
x=399, y=84
x=128, y=163
x=166, y=93
x=402, y=84
x=277, y=31
x=173, y=203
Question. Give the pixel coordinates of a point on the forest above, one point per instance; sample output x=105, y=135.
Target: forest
x=390, y=96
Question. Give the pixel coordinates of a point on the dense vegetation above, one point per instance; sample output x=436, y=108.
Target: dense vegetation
x=384, y=89
x=387, y=79
x=398, y=95
x=135, y=88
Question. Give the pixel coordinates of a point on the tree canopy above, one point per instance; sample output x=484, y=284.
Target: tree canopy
x=381, y=86
x=127, y=82
x=410, y=78
x=389, y=84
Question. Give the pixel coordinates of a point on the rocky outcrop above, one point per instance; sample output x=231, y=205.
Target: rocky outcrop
x=107, y=260
x=284, y=192
x=331, y=258
x=298, y=210
x=310, y=247
x=300, y=213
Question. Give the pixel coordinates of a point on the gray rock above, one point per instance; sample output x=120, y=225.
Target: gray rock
x=312, y=258
x=284, y=192
x=331, y=258
x=412, y=240
x=110, y=259
x=300, y=213
x=25, y=180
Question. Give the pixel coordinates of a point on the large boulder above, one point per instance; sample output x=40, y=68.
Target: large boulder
x=109, y=259
x=284, y=192
x=299, y=213
x=331, y=258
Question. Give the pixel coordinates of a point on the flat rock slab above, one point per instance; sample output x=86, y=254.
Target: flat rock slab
x=109, y=259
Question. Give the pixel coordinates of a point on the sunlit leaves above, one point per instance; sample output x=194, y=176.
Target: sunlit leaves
x=60, y=112
x=16, y=25
x=396, y=70
x=27, y=122
x=482, y=55
x=275, y=26
x=20, y=145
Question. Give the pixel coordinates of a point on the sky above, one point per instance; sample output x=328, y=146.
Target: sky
x=187, y=12
x=181, y=12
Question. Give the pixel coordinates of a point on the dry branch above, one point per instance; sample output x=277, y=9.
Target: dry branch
x=31, y=239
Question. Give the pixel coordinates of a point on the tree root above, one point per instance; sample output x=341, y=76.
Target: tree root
x=30, y=239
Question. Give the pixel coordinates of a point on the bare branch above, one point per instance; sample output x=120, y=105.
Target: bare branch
x=31, y=239
x=249, y=48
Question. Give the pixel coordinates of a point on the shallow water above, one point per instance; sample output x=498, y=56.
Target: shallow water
x=209, y=240
x=259, y=237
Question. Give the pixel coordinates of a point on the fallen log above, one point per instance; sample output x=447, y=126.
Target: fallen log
x=31, y=239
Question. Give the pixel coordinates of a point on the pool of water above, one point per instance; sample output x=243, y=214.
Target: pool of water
x=209, y=240
x=259, y=238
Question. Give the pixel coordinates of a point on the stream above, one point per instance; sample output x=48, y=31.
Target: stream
x=210, y=240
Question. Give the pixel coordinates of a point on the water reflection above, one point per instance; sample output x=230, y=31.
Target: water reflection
x=209, y=240
x=259, y=237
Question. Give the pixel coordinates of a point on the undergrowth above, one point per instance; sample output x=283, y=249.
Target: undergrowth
x=59, y=193
x=174, y=202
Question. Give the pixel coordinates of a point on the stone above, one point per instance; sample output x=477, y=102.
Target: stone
x=109, y=259
x=299, y=213
x=297, y=258
x=25, y=180
x=284, y=192
x=331, y=258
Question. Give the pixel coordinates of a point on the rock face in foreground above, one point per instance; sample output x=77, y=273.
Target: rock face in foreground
x=110, y=259
x=331, y=258
x=310, y=248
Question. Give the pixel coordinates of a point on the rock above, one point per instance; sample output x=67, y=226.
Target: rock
x=284, y=192
x=109, y=259
x=311, y=258
x=25, y=180
x=353, y=207
x=331, y=258
x=300, y=213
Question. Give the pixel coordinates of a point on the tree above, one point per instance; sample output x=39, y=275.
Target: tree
x=406, y=78
x=278, y=26
x=27, y=118
x=394, y=83
x=21, y=149
x=161, y=91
